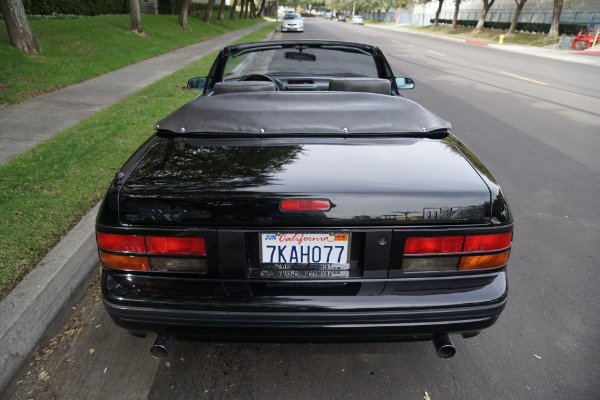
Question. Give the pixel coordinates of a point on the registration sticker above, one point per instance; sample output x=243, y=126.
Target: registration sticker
x=326, y=249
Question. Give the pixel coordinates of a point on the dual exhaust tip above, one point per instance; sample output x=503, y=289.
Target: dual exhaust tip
x=444, y=347
x=441, y=341
x=162, y=345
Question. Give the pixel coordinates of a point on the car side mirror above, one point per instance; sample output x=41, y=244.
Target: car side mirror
x=196, y=83
x=405, y=83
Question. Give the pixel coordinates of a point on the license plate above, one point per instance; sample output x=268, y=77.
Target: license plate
x=326, y=249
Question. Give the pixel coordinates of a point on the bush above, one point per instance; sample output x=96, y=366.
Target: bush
x=566, y=29
x=170, y=6
x=75, y=7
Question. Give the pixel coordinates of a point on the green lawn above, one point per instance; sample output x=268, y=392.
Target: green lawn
x=45, y=191
x=74, y=50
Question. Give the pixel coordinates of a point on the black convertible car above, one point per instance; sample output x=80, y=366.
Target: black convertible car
x=300, y=197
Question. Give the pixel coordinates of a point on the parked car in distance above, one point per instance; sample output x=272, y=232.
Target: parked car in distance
x=341, y=18
x=357, y=19
x=328, y=15
x=301, y=197
x=292, y=22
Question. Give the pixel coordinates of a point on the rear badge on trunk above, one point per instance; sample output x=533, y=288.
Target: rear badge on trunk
x=454, y=213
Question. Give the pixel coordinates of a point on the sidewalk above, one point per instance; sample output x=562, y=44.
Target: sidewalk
x=582, y=57
x=30, y=311
x=25, y=125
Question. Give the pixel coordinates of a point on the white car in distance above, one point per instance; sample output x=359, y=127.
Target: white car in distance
x=292, y=22
x=357, y=19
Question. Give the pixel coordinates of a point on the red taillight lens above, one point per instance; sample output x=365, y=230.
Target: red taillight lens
x=493, y=242
x=121, y=243
x=434, y=245
x=176, y=245
x=305, y=205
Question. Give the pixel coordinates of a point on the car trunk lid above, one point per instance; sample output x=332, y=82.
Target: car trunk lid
x=240, y=183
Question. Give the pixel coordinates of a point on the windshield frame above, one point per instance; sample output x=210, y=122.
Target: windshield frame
x=218, y=69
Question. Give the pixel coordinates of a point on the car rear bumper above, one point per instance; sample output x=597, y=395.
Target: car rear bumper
x=385, y=317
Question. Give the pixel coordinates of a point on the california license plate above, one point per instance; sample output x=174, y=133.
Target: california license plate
x=326, y=250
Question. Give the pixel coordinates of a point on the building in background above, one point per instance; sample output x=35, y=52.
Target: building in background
x=537, y=11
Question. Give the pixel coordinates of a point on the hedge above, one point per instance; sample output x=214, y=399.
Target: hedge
x=97, y=7
x=169, y=6
x=566, y=29
x=75, y=7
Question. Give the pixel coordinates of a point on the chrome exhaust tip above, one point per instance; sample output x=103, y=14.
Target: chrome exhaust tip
x=162, y=345
x=443, y=345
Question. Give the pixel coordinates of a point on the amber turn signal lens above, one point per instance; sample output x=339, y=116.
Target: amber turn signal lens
x=484, y=262
x=129, y=263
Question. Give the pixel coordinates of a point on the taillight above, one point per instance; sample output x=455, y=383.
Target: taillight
x=121, y=243
x=152, y=253
x=305, y=205
x=452, y=253
x=434, y=245
x=176, y=245
x=497, y=241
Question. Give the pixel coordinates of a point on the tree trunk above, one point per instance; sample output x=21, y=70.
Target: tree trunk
x=242, y=5
x=232, y=15
x=136, y=17
x=515, y=20
x=222, y=11
x=252, y=9
x=208, y=13
x=437, y=13
x=486, y=7
x=183, y=13
x=554, y=28
x=455, y=18
x=246, y=7
x=261, y=11
x=17, y=26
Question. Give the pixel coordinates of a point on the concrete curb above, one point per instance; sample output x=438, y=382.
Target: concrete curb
x=31, y=309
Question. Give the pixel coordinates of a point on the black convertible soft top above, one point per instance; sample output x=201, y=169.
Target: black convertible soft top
x=305, y=113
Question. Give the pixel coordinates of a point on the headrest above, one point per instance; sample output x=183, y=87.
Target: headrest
x=369, y=85
x=244, y=86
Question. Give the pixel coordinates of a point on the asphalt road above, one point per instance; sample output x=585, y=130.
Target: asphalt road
x=535, y=123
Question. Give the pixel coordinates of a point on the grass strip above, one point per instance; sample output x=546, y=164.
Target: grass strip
x=74, y=50
x=46, y=191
